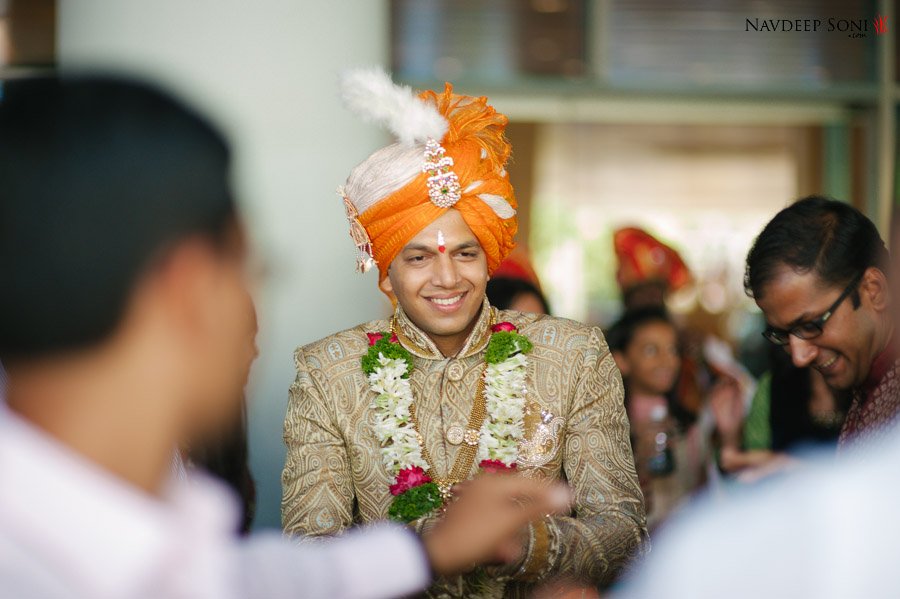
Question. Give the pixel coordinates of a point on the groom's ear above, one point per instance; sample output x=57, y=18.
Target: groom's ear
x=386, y=286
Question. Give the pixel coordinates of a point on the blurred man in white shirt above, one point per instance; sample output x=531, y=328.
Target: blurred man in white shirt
x=122, y=286
x=831, y=532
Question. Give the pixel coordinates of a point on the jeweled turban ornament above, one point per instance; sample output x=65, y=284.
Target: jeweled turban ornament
x=443, y=184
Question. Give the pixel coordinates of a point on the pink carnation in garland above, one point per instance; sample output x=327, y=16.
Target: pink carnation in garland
x=493, y=466
x=504, y=327
x=376, y=337
x=409, y=478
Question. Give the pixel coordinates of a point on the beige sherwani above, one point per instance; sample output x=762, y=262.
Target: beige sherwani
x=576, y=430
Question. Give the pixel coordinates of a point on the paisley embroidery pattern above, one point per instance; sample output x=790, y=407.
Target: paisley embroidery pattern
x=542, y=439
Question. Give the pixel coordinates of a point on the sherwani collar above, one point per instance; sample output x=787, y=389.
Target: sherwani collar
x=419, y=344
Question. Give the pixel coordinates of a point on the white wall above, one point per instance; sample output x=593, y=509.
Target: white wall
x=267, y=70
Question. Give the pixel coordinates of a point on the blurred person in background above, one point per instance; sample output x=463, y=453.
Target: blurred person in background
x=647, y=273
x=506, y=293
x=671, y=451
x=818, y=273
x=515, y=286
x=829, y=531
x=386, y=417
x=123, y=329
x=792, y=413
x=647, y=270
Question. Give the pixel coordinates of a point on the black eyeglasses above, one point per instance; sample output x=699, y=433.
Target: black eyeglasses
x=813, y=328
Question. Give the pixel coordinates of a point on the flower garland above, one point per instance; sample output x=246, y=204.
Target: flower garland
x=388, y=366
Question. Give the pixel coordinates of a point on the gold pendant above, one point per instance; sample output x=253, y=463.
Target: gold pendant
x=446, y=489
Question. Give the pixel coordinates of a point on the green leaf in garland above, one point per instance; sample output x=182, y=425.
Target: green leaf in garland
x=504, y=345
x=415, y=503
x=393, y=351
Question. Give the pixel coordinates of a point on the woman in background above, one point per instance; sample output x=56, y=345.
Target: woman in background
x=508, y=293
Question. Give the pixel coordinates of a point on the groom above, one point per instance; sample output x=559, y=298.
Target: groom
x=385, y=418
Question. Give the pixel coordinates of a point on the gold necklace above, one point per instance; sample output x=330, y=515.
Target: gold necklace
x=466, y=455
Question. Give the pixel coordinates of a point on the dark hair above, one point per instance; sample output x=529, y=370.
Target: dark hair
x=503, y=291
x=227, y=459
x=651, y=292
x=98, y=176
x=816, y=234
x=621, y=333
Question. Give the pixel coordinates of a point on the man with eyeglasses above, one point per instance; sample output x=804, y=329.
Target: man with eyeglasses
x=818, y=273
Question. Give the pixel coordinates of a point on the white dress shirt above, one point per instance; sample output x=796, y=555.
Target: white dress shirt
x=69, y=529
x=832, y=532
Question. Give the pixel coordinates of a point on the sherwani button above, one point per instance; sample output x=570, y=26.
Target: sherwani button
x=455, y=371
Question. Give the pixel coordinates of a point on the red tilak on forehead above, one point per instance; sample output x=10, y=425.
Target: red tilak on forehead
x=441, y=242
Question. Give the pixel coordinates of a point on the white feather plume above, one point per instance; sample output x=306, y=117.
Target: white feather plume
x=371, y=94
x=498, y=204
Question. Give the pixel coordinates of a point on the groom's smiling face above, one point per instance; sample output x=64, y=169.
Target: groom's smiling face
x=439, y=280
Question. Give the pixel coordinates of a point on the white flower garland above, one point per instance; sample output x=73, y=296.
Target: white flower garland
x=504, y=427
x=400, y=447
x=501, y=432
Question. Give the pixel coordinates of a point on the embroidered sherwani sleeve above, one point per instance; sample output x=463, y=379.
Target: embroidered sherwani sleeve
x=608, y=527
x=317, y=488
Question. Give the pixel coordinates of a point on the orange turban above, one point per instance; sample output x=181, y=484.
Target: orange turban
x=479, y=150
